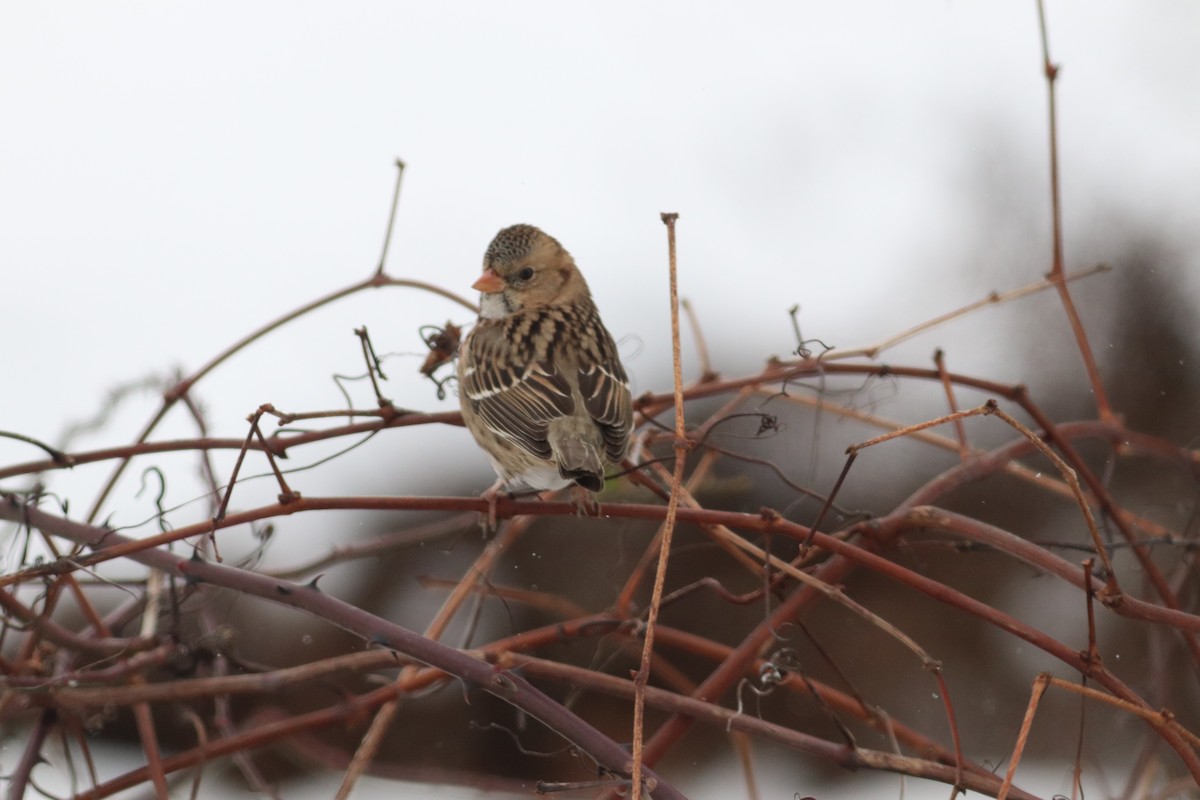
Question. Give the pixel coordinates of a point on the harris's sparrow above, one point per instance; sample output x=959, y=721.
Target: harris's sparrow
x=540, y=382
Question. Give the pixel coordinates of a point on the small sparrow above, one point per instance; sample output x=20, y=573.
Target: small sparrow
x=540, y=382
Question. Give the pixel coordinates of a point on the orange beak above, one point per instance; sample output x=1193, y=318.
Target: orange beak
x=489, y=282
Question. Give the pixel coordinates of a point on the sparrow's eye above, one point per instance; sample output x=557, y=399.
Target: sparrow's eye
x=525, y=274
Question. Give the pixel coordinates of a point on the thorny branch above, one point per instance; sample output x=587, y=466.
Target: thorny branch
x=873, y=535
x=58, y=670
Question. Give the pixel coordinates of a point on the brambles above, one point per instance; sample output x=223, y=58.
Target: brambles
x=895, y=614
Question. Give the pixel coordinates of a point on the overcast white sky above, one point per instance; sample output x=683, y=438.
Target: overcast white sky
x=172, y=175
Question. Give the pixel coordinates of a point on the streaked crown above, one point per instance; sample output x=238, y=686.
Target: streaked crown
x=516, y=243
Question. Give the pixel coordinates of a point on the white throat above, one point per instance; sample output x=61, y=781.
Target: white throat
x=493, y=306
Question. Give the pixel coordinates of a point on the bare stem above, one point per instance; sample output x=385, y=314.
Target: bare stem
x=387, y=236
x=1057, y=260
x=660, y=576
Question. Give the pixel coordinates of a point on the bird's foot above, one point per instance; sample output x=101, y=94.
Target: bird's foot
x=488, y=521
x=586, y=504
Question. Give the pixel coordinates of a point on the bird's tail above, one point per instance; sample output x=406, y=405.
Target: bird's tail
x=579, y=461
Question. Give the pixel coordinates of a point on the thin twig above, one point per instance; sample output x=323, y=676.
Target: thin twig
x=286, y=495
x=31, y=755
x=1093, y=658
x=668, y=528
x=995, y=298
x=60, y=458
x=964, y=448
x=920, y=426
x=1112, y=589
x=1093, y=653
x=237, y=468
x=149, y=739
x=1160, y=719
x=387, y=236
x=706, y=370
x=1035, y=697
x=374, y=365
x=1057, y=260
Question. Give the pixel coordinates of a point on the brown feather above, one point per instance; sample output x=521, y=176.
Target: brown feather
x=541, y=385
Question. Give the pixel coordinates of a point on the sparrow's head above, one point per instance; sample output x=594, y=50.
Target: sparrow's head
x=526, y=268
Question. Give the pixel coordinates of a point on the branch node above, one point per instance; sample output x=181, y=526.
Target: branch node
x=1092, y=660
x=769, y=515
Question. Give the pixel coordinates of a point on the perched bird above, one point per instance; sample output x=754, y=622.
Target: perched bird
x=540, y=382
